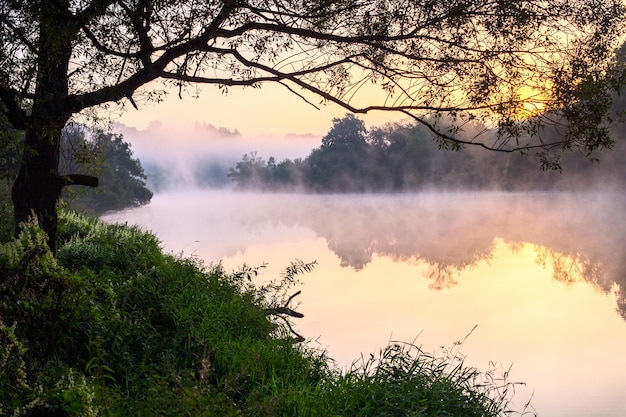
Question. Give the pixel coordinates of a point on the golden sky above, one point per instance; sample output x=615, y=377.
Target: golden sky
x=270, y=110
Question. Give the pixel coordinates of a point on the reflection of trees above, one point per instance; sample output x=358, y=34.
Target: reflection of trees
x=442, y=276
x=570, y=268
x=401, y=228
x=577, y=236
x=621, y=302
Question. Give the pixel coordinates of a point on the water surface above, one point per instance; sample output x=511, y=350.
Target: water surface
x=542, y=276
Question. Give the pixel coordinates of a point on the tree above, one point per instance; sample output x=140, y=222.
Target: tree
x=249, y=172
x=337, y=164
x=84, y=152
x=121, y=177
x=346, y=134
x=496, y=60
x=399, y=157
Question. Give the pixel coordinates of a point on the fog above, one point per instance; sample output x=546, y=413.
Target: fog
x=449, y=231
x=181, y=153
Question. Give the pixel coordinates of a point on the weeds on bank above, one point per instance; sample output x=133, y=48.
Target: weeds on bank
x=111, y=326
x=404, y=380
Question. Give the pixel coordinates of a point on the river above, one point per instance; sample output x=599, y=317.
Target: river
x=540, y=278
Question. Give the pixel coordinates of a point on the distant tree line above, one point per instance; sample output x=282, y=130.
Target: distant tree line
x=403, y=157
x=83, y=151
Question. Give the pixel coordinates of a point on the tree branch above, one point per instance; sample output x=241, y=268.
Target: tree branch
x=453, y=139
x=284, y=310
x=79, y=179
x=140, y=18
x=100, y=47
x=293, y=77
x=371, y=40
x=11, y=109
x=95, y=9
x=21, y=35
x=152, y=70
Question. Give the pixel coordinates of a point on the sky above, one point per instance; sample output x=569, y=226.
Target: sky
x=181, y=134
x=270, y=110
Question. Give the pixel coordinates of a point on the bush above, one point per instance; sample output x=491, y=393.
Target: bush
x=149, y=333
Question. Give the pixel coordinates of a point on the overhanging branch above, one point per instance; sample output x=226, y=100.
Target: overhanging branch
x=151, y=70
x=453, y=139
x=79, y=179
x=283, y=311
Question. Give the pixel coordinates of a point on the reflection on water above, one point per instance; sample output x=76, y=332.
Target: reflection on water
x=542, y=275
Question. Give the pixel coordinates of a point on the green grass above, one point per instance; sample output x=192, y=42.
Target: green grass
x=112, y=326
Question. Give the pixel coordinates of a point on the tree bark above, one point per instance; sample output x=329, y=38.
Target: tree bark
x=38, y=186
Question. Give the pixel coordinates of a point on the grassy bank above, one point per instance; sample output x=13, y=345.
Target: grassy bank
x=112, y=326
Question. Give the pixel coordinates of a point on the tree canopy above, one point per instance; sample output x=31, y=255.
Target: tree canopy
x=107, y=155
x=401, y=157
x=514, y=64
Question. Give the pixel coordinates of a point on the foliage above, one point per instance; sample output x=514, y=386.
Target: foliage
x=253, y=169
x=150, y=332
x=7, y=227
x=339, y=160
x=406, y=381
x=112, y=326
x=253, y=172
x=470, y=60
x=103, y=154
x=403, y=157
x=107, y=156
x=10, y=148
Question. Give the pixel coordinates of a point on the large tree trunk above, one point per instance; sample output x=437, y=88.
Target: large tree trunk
x=38, y=186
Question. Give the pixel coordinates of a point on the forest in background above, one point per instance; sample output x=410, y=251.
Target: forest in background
x=404, y=157
x=398, y=157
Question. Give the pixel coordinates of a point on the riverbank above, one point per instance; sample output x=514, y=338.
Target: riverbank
x=114, y=326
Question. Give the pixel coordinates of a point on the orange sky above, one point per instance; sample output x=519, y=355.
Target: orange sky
x=270, y=110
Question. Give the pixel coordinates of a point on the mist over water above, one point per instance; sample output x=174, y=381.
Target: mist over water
x=200, y=155
x=541, y=274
